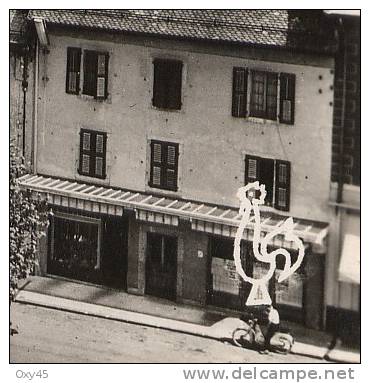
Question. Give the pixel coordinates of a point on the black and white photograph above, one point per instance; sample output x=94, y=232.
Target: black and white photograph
x=184, y=188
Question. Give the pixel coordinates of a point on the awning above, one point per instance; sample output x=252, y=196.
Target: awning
x=203, y=217
x=349, y=267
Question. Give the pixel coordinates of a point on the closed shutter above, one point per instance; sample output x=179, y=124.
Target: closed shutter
x=282, y=185
x=174, y=85
x=167, y=84
x=287, y=98
x=239, y=96
x=92, y=153
x=73, y=70
x=164, y=162
x=159, y=84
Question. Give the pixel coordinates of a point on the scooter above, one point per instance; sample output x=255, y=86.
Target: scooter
x=250, y=335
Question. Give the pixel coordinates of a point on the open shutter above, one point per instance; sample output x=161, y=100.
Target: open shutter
x=239, y=97
x=287, y=98
x=102, y=75
x=282, y=185
x=252, y=165
x=85, y=152
x=156, y=163
x=174, y=82
x=171, y=167
x=73, y=70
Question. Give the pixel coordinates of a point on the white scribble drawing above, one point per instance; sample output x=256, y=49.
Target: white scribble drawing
x=259, y=292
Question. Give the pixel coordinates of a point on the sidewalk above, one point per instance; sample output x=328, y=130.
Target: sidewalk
x=150, y=311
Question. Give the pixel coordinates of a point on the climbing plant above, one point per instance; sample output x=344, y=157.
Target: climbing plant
x=27, y=223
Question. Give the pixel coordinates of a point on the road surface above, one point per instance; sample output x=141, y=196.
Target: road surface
x=52, y=336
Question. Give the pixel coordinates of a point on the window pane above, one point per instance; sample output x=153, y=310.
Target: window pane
x=258, y=92
x=101, y=65
x=282, y=173
x=271, y=97
x=72, y=82
x=286, y=112
x=282, y=197
x=156, y=176
x=100, y=87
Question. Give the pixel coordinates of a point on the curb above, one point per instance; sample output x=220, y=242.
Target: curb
x=105, y=312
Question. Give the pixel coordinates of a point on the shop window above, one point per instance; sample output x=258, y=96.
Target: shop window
x=263, y=92
x=275, y=175
x=92, y=153
x=75, y=246
x=164, y=165
x=167, y=84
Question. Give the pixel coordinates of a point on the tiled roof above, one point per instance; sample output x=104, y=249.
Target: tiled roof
x=277, y=28
x=17, y=26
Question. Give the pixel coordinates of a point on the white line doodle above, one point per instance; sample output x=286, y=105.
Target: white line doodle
x=259, y=294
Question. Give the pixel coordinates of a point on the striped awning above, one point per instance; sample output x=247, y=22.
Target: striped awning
x=153, y=208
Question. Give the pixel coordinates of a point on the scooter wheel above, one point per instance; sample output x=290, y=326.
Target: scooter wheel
x=242, y=337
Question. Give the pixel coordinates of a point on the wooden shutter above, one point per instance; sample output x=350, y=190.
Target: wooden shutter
x=174, y=83
x=85, y=152
x=73, y=70
x=156, y=163
x=239, y=96
x=282, y=185
x=102, y=75
x=92, y=153
x=167, y=84
x=251, y=169
x=287, y=98
x=159, y=84
x=90, y=70
x=171, y=166
x=164, y=163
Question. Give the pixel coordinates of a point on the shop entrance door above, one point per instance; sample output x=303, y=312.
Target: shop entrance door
x=114, y=257
x=161, y=266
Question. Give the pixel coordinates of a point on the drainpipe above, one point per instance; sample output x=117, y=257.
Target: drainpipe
x=342, y=45
x=35, y=97
x=24, y=88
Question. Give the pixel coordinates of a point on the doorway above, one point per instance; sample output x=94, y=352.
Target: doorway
x=161, y=266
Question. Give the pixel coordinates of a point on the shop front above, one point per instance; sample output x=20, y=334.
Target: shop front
x=88, y=247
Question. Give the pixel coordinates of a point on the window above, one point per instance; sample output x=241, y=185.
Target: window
x=275, y=175
x=263, y=92
x=92, y=153
x=73, y=70
x=164, y=162
x=95, y=74
x=167, y=84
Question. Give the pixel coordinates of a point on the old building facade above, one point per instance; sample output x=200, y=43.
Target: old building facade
x=144, y=131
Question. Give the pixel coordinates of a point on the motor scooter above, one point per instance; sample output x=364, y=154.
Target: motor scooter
x=250, y=335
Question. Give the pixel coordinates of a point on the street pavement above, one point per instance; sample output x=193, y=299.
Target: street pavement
x=52, y=336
